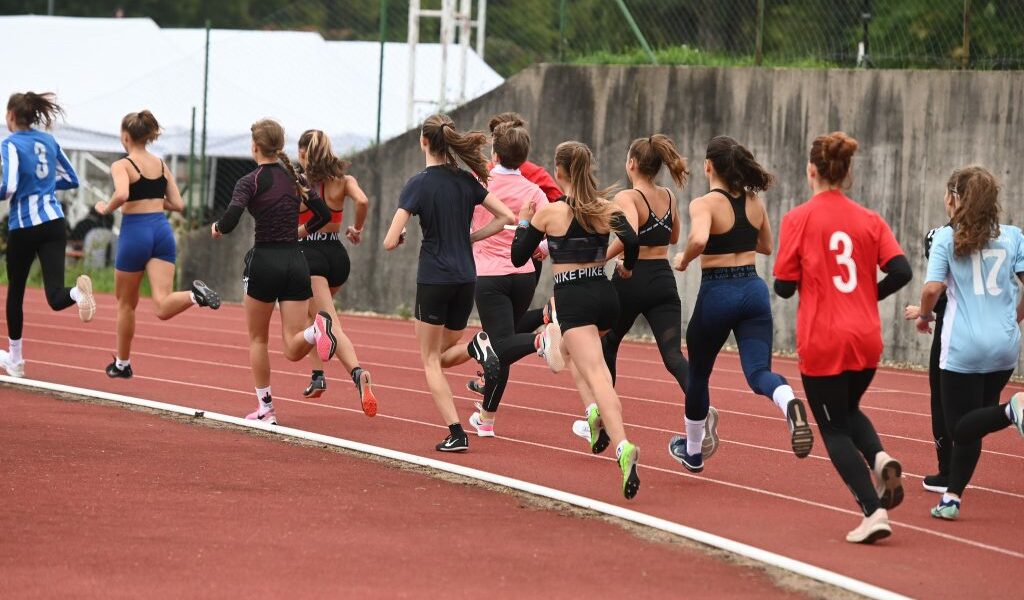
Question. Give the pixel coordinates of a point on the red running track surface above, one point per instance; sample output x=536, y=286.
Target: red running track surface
x=753, y=491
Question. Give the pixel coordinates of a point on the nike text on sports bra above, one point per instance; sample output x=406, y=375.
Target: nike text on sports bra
x=743, y=235
x=145, y=188
x=322, y=236
x=577, y=274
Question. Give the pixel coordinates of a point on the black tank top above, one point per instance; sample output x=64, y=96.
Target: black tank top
x=577, y=245
x=656, y=231
x=145, y=188
x=743, y=235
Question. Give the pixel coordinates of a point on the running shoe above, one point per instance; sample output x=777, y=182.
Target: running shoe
x=482, y=351
x=86, y=301
x=483, y=428
x=948, y=510
x=549, y=346
x=871, y=529
x=14, y=369
x=316, y=388
x=801, y=436
x=454, y=443
x=476, y=385
x=581, y=429
x=204, y=295
x=119, y=373
x=888, y=482
x=627, y=463
x=693, y=463
x=1017, y=410
x=367, y=398
x=263, y=414
x=710, y=444
x=326, y=343
x=936, y=483
x=548, y=313
x=599, y=439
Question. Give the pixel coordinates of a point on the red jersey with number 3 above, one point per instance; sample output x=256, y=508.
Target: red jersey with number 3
x=832, y=247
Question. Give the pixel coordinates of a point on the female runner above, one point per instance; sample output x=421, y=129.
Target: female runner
x=146, y=243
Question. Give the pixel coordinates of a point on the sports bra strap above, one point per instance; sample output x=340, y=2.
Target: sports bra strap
x=137, y=169
x=649, y=209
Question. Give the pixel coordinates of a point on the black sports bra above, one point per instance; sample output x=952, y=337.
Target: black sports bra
x=656, y=231
x=145, y=188
x=577, y=245
x=743, y=235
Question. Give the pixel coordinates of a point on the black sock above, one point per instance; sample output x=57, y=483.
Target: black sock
x=317, y=373
x=456, y=430
x=354, y=374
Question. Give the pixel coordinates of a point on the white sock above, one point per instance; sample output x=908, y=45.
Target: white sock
x=618, y=449
x=950, y=498
x=782, y=396
x=76, y=294
x=310, y=335
x=1009, y=411
x=694, y=435
x=15, y=350
x=589, y=406
x=192, y=296
x=120, y=364
x=263, y=395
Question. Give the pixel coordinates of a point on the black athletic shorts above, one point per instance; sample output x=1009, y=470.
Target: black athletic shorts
x=276, y=271
x=447, y=304
x=327, y=258
x=585, y=297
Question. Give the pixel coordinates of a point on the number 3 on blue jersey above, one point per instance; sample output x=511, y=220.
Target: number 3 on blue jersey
x=42, y=166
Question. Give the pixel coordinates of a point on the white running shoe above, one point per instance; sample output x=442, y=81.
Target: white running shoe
x=888, y=482
x=871, y=529
x=549, y=345
x=86, y=301
x=581, y=429
x=710, y=444
x=14, y=369
x=483, y=428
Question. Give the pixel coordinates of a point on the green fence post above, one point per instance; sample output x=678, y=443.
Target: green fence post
x=202, y=151
x=636, y=31
x=189, y=210
x=380, y=69
x=561, y=31
x=966, y=60
x=759, y=39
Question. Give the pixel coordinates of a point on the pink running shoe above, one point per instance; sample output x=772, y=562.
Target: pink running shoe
x=483, y=428
x=267, y=417
x=326, y=343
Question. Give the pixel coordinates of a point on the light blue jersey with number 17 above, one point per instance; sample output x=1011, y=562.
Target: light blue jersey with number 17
x=34, y=167
x=980, y=332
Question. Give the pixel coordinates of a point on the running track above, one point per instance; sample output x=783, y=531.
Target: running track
x=753, y=490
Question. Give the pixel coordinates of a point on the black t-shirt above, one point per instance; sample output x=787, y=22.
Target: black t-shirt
x=443, y=198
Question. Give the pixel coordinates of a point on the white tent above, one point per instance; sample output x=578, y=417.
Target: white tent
x=102, y=69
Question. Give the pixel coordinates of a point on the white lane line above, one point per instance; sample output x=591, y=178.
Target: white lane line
x=697, y=535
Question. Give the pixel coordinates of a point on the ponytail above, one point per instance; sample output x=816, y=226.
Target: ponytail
x=589, y=207
x=976, y=217
x=653, y=152
x=321, y=162
x=30, y=108
x=299, y=187
x=736, y=165
x=446, y=141
x=831, y=155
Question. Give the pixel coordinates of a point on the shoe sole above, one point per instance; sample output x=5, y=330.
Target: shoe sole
x=87, y=303
x=939, y=515
x=210, y=297
x=326, y=324
x=1017, y=407
x=874, y=536
x=553, y=353
x=892, y=492
x=603, y=441
x=710, y=444
x=489, y=358
x=441, y=448
x=470, y=385
x=938, y=489
x=802, y=438
x=314, y=394
x=632, y=483
x=366, y=396
x=672, y=442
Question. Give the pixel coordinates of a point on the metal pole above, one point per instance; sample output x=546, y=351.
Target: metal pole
x=380, y=68
x=966, y=60
x=481, y=26
x=447, y=12
x=636, y=31
x=465, y=29
x=864, y=60
x=411, y=41
x=49, y=7
x=759, y=40
x=189, y=210
x=561, y=31
x=206, y=85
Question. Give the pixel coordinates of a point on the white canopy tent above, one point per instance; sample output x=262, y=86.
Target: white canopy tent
x=102, y=69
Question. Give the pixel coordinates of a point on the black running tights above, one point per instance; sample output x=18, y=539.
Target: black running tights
x=850, y=438
x=943, y=440
x=47, y=241
x=971, y=405
x=501, y=302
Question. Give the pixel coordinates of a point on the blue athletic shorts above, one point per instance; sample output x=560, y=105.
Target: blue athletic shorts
x=144, y=236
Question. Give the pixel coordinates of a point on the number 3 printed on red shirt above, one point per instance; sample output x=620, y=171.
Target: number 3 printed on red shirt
x=840, y=242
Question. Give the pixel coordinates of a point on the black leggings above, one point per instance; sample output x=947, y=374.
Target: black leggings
x=501, y=302
x=971, y=405
x=850, y=438
x=651, y=292
x=943, y=440
x=47, y=241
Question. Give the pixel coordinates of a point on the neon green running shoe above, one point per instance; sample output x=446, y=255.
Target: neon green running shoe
x=947, y=510
x=627, y=462
x=1017, y=409
x=599, y=439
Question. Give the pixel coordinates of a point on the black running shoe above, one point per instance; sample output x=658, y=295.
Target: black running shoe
x=204, y=295
x=936, y=483
x=476, y=385
x=482, y=351
x=454, y=443
x=802, y=438
x=316, y=388
x=114, y=372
